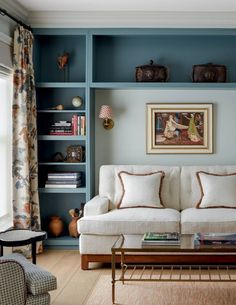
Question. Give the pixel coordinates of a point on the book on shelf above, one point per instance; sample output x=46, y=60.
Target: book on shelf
x=61, y=128
x=74, y=186
x=63, y=182
x=62, y=175
x=156, y=238
x=59, y=133
x=215, y=239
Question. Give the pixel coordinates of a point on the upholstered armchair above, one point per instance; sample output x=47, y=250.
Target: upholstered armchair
x=23, y=283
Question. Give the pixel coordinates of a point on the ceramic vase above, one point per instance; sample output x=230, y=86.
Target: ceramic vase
x=56, y=226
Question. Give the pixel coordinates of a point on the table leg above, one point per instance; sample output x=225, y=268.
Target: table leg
x=33, y=251
x=113, y=275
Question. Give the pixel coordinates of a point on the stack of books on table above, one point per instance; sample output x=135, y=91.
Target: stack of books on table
x=157, y=239
x=64, y=180
x=215, y=239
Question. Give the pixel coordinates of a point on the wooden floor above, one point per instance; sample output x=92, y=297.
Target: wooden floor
x=74, y=284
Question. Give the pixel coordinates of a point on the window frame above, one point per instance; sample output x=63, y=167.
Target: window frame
x=6, y=221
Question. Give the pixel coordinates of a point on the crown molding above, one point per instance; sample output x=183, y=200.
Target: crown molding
x=128, y=19
x=15, y=9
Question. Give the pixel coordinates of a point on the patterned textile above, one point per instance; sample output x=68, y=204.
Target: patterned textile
x=38, y=280
x=25, y=164
x=12, y=283
x=40, y=299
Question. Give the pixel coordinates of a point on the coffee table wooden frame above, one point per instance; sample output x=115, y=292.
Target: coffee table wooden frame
x=200, y=264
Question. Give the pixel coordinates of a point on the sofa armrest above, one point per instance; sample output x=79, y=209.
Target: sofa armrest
x=13, y=284
x=96, y=206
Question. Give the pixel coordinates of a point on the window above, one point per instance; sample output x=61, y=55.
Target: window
x=5, y=149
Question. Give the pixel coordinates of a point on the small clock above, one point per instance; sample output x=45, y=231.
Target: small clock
x=77, y=101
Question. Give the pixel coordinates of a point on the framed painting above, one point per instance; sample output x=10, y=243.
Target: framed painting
x=179, y=128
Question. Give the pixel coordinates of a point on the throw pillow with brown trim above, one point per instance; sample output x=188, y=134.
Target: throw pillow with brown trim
x=141, y=190
x=217, y=190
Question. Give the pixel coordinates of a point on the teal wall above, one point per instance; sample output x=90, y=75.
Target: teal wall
x=126, y=142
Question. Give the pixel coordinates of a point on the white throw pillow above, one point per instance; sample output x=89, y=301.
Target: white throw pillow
x=141, y=190
x=218, y=191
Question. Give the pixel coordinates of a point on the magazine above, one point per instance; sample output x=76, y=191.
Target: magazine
x=215, y=238
x=155, y=238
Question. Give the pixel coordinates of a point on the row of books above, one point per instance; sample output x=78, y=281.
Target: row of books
x=64, y=180
x=78, y=125
x=61, y=128
x=75, y=127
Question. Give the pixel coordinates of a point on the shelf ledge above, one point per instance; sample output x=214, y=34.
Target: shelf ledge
x=163, y=85
x=81, y=190
x=63, y=163
x=60, y=138
x=60, y=85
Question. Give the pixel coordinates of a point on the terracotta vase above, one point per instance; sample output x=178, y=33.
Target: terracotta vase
x=73, y=227
x=56, y=226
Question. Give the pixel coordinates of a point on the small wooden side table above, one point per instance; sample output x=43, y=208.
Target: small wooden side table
x=21, y=237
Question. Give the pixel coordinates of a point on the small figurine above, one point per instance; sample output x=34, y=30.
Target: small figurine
x=75, y=214
x=62, y=61
x=57, y=107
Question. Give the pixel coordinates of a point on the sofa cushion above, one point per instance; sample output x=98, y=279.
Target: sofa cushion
x=110, y=186
x=190, y=191
x=212, y=220
x=38, y=280
x=217, y=190
x=141, y=190
x=131, y=221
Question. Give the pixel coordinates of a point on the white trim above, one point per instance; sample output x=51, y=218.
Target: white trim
x=122, y=19
x=6, y=222
x=6, y=39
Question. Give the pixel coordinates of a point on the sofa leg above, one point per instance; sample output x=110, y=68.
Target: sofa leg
x=84, y=262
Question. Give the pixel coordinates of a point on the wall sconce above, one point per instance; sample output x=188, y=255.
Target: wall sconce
x=106, y=115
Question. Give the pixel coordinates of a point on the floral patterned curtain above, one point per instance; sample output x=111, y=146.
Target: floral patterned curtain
x=25, y=164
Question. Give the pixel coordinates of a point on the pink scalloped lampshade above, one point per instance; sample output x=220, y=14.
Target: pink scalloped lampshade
x=105, y=112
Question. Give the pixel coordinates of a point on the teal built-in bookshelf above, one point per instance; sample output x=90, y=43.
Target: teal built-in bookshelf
x=106, y=59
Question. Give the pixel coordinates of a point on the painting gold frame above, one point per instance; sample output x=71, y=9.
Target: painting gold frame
x=179, y=128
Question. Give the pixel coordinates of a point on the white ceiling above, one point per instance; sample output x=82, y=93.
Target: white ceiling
x=130, y=5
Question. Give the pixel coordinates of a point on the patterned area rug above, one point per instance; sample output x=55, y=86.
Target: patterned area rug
x=163, y=293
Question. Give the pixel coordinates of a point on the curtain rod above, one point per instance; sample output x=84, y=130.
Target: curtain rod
x=5, y=13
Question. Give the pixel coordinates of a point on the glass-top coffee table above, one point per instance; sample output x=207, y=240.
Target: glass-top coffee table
x=184, y=262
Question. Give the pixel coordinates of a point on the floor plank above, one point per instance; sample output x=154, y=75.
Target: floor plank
x=74, y=284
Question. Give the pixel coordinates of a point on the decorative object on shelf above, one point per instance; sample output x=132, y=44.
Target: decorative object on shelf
x=76, y=214
x=58, y=157
x=77, y=101
x=62, y=61
x=58, y=107
x=56, y=226
x=209, y=73
x=106, y=115
x=151, y=73
x=75, y=153
x=179, y=128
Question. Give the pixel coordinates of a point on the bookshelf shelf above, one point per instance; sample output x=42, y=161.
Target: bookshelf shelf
x=80, y=190
x=61, y=138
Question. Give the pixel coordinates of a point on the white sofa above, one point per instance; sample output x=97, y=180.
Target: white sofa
x=103, y=222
